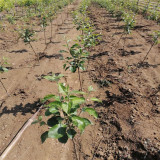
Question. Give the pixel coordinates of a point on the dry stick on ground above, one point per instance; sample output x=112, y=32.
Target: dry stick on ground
x=18, y=135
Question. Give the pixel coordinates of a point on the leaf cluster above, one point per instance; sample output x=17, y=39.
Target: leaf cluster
x=64, y=113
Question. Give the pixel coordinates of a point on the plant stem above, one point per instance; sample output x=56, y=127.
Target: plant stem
x=51, y=30
x=118, y=42
x=4, y=87
x=124, y=42
x=62, y=18
x=34, y=51
x=148, y=52
x=44, y=36
x=80, y=79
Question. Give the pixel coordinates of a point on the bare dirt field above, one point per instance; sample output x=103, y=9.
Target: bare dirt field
x=128, y=126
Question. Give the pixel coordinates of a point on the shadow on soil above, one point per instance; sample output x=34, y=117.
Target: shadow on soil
x=98, y=55
x=124, y=97
x=19, y=51
x=146, y=65
x=23, y=109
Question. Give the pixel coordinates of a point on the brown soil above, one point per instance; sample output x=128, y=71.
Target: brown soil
x=128, y=124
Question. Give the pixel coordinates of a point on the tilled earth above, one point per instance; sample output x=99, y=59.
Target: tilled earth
x=128, y=126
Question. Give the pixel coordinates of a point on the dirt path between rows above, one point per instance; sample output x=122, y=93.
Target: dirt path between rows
x=25, y=87
x=130, y=116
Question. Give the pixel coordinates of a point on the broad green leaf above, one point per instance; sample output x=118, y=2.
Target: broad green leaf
x=62, y=88
x=63, y=139
x=91, y=111
x=77, y=92
x=47, y=113
x=73, y=69
x=55, y=104
x=96, y=99
x=80, y=122
x=78, y=100
x=47, y=98
x=52, y=121
x=65, y=107
x=3, y=69
x=71, y=133
x=50, y=78
x=54, y=77
x=57, y=131
x=44, y=136
x=86, y=121
x=53, y=110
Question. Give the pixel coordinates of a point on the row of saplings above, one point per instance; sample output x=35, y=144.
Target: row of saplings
x=64, y=111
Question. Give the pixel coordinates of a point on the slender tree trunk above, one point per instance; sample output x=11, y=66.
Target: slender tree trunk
x=80, y=82
x=118, y=42
x=148, y=52
x=37, y=56
x=44, y=36
x=51, y=30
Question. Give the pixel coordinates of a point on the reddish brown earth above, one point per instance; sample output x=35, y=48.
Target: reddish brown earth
x=128, y=126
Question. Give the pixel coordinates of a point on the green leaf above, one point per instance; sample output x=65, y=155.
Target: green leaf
x=44, y=136
x=47, y=98
x=34, y=122
x=57, y=131
x=63, y=139
x=77, y=92
x=3, y=69
x=71, y=133
x=91, y=111
x=55, y=104
x=40, y=118
x=80, y=122
x=73, y=69
x=96, y=99
x=62, y=88
x=64, y=66
x=65, y=107
x=54, y=77
x=47, y=113
x=63, y=51
x=90, y=89
x=54, y=120
x=53, y=110
x=42, y=123
x=86, y=121
x=78, y=100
